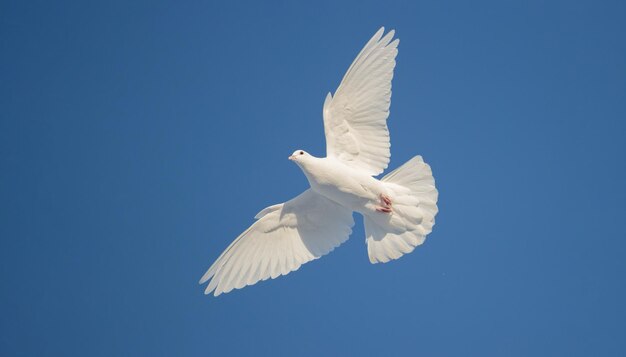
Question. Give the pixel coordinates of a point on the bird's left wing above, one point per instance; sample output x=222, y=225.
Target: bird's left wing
x=285, y=236
x=355, y=118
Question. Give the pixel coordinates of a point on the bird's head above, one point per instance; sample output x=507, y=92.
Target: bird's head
x=299, y=156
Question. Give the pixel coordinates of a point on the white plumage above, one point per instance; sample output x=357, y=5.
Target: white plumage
x=399, y=210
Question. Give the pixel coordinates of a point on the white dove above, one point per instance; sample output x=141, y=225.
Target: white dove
x=398, y=211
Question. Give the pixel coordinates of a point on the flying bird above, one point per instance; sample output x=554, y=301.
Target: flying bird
x=398, y=210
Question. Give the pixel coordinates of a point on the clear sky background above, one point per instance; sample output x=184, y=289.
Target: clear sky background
x=138, y=139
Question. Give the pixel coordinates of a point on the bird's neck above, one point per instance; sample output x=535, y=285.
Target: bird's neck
x=312, y=169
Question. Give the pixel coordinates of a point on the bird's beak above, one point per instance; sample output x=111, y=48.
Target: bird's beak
x=291, y=157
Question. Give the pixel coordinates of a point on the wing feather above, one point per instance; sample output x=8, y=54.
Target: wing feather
x=283, y=238
x=355, y=118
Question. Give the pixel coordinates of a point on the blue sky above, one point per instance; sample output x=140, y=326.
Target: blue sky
x=138, y=139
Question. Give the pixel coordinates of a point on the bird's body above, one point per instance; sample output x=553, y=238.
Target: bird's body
x=342, y=184
x=399, y=209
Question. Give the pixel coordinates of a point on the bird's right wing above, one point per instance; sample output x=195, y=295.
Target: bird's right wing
x=285, y=236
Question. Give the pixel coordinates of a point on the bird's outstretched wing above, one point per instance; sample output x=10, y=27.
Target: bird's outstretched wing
x=355, y=119
x=285, y=236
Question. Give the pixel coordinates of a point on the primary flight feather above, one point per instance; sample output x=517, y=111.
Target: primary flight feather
x=398, y=210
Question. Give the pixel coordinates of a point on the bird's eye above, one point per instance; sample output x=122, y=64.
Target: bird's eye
x=301, y=152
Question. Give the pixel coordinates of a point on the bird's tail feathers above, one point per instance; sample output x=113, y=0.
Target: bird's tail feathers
x=411, y=188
